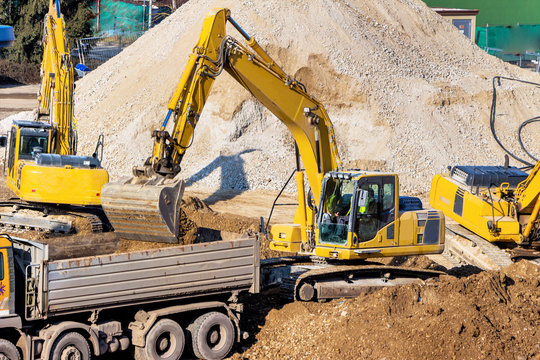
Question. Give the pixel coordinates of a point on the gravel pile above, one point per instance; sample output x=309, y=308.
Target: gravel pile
x=405, y=90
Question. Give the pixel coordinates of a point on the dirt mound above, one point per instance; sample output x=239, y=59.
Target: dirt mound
x=491, y=315
x=406, y=92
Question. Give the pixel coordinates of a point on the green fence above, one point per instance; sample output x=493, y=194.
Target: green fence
x=519, y=44
x=121, y=16
x=118, y=15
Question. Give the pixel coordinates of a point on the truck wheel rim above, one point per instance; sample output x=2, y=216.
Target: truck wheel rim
x=165, y=345
x=214, y=339
x=71, y=353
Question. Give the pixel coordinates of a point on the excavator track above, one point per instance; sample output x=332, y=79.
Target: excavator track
x=474, y=250
x=316, y=282
x=12, y=219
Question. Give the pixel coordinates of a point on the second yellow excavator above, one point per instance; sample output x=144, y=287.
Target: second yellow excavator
x=42, y=166
x=345, y=215
x=496, y=203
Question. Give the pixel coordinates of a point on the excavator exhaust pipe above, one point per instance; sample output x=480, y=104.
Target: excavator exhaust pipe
x=146, y=210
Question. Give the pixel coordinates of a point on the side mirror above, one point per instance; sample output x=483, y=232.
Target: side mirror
x=362, y=198
x=3, y=141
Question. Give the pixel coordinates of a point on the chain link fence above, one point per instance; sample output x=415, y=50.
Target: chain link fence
x=94, y=51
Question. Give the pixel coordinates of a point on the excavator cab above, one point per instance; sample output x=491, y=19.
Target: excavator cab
x=361, y=215
x=36, y=174
x=355, y=207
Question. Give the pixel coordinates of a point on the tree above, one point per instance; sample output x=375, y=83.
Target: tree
x=26, y=17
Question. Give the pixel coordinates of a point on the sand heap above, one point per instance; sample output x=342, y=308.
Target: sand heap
x=405, y=90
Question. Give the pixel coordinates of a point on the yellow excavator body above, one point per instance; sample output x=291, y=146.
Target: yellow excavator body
x=56, y=179
x=344, y=229
x=500, y=204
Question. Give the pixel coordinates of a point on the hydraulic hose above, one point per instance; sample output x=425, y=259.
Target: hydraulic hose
x=497, y=81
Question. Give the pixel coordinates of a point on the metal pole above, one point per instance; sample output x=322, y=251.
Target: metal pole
x=98, y=12
x=149, y=14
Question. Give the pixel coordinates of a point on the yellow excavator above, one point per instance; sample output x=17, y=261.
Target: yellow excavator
x=345, y=215
x=42, y=166
x=497, y=203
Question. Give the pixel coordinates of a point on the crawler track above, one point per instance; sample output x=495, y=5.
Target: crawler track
x=11, y=217
x=472, y=249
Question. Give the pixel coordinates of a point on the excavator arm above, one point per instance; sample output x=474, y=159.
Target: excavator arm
x=285, y=97
x=57, y=85
x=528, y=200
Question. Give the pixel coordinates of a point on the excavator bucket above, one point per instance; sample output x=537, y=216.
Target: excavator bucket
x=147, y=210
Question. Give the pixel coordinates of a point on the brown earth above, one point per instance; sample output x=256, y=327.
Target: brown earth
x=490, y=315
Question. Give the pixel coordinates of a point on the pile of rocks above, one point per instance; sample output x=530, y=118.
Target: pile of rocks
x=405, y=91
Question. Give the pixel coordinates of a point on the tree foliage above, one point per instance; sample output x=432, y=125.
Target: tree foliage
x=26, y=17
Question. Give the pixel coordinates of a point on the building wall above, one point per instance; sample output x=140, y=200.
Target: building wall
x=497, y=12
x=465, y=17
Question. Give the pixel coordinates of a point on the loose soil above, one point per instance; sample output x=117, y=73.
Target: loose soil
x=490, y=315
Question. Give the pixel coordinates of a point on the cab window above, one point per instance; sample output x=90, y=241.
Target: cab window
x=367, y=215
x=13, y=140
x=388, y=196
x=378, y=211
x=336, y=209
x=29, y=143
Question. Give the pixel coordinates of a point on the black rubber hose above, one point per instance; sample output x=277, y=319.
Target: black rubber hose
x=523, y=124
x=497, y=80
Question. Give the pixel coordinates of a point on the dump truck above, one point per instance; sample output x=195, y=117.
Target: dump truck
x=149, y=300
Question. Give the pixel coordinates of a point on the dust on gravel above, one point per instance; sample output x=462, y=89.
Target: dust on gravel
x=490, y=315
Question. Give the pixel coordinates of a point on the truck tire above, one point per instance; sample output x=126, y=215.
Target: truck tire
x=212, y=336
x=8, y=351
x=164, y=341
x=70, y=345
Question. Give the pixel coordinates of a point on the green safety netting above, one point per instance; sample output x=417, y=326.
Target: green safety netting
x=119, y=16
x=510, y=42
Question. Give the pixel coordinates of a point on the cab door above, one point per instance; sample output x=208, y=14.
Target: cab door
x=378, y=210
x=4, y=282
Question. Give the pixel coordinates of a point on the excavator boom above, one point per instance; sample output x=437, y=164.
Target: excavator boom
x=57, y=85
x=305, y=117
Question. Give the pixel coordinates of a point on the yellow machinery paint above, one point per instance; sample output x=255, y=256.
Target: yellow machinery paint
x=316, y=230
x=498, y=211
x=408, y=233
x=7, y=279
x=53, y=173
x=75, y=184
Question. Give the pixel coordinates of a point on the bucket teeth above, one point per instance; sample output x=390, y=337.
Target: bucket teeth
x=147, y=210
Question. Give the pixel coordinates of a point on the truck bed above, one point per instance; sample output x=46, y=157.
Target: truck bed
x=96, y=282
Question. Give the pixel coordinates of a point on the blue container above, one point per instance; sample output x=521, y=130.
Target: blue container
x=7, y=36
